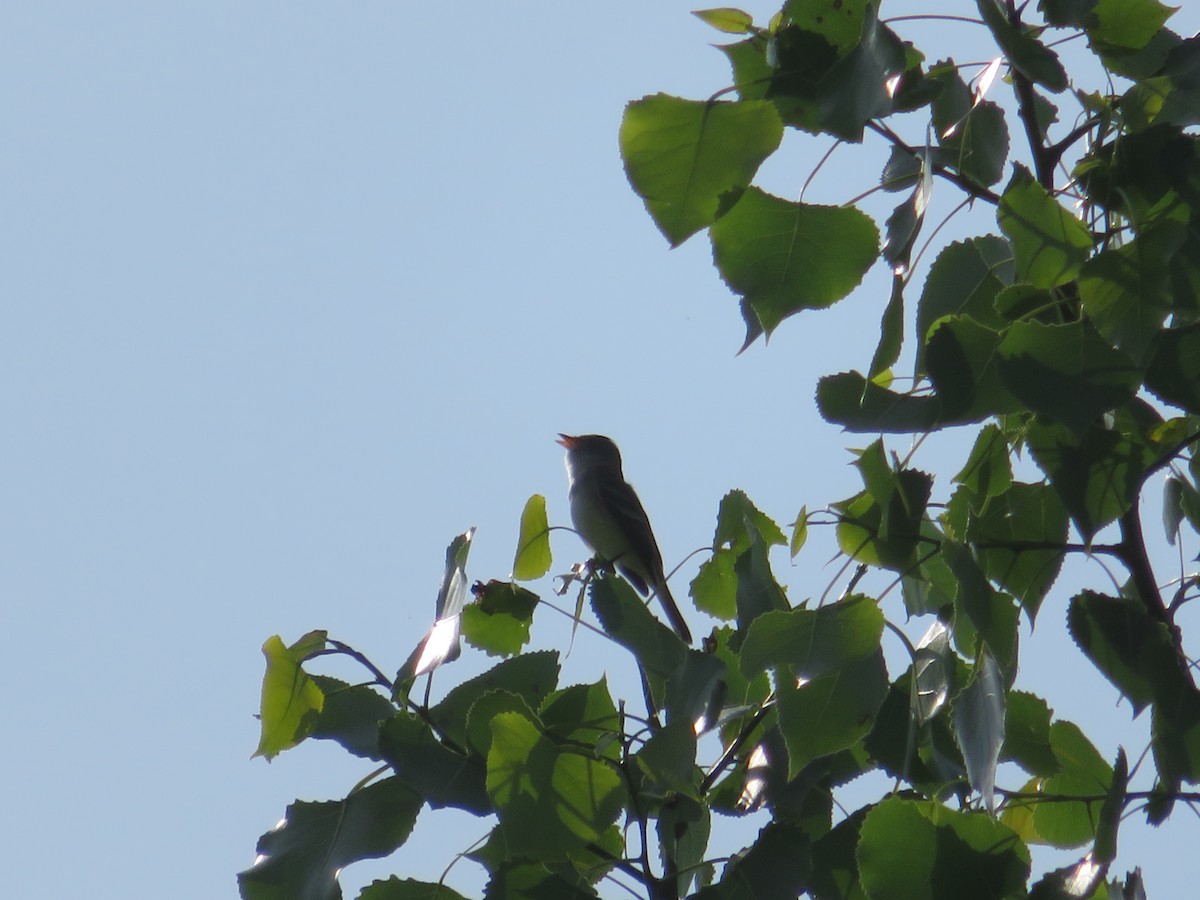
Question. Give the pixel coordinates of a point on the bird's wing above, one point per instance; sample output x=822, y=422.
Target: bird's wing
x=643, y=556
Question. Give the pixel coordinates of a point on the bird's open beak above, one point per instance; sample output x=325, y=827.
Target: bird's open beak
x=566, y=440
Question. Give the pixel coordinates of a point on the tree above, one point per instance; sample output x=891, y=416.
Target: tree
x=1070, y=342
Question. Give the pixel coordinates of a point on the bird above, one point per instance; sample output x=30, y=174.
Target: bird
x=610, y=518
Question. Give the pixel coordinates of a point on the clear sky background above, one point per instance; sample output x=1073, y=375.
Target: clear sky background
x=295, y=292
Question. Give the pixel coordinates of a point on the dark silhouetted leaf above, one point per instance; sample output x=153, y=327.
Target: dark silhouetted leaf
x=300, y=859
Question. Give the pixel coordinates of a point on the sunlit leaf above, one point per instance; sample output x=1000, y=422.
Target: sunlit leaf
x=1049, y=243
x=533, y=558
x=688, y=159
x=832, y=711
x=783, y=256
x=726, y=19
x=918, y=850
x=291, y=700
x=499, y=619
x=549, y=800
x=813, y=642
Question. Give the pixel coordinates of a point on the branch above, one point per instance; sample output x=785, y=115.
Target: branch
x=964, y=184
x=1137, y=561
x=731, y=751
x=1044, y=158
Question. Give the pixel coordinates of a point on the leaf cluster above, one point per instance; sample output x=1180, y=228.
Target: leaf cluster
x=1067, y=339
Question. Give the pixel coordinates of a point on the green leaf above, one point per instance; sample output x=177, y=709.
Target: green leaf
x=757, y=590
x=962, y=358
x=1174, y=371
x=351, y=716
x=1049, y=244
x=453, y=591
x=988, y=472
x=442, y=776
x=1132, y=650
x=1175, y=733
x=979, y=726
x=831, y=712
x=882, y=525
x=1126, y=24
x=1066, y=373
x=1028, y=56
x=583, y=714
x=831, y=70
x=775, y=867
x=922, y=850
x=1027, y=734
x=1017, y=538
x=684, y=827
x=1082, y=773
x=483, y=711
x=964, y=280
x=799, y=532
x=783, y=257
x=840, y=22
x=751, y=71
x=739, y=521
x=715, y=586
x=300, y=859
x=989, y=614
x=691, y=687
x=835, y=865
x=498, y=622
x=408, y=889
x=533, y=558
x=726, y=19
x=549, y=801
x=522, y=880
x=687, y=159
x=291, y=700
x=1098, y=478
x=669, y=758
x=1126, y=292
x=891, y=330
x=972, y=136
x=531, y=677
x=813, y=642
x=850, y=400
x=630, y=623
x=1172, y=507
x=904, y=224
x=1110, y=813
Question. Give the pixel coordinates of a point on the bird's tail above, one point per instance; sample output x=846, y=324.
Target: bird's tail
x=674, y=616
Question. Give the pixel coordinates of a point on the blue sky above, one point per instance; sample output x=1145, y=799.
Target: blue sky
x=296, y=292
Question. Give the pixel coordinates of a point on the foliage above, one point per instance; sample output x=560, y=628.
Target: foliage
x=1069, y=338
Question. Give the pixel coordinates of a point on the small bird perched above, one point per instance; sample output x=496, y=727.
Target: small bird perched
x=609, y=517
